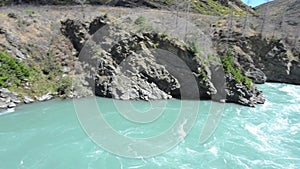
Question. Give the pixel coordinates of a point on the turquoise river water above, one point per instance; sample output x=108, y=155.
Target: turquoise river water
x=48, y=135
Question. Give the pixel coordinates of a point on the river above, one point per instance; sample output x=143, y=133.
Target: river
x=48, y=135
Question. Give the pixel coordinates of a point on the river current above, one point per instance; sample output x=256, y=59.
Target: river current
x=48, y=135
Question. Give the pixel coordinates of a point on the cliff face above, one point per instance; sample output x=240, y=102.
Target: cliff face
x=51, y=42
x=263, y=55
x=134, y=58
x=151, y=66
x=276, y=48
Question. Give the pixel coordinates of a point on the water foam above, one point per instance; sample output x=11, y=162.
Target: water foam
x=214, y=151
x=7, y=111
x=293, y=91
x=260, y=136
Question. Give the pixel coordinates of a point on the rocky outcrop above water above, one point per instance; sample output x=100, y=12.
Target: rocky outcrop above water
x=262, y=57
x=279, y=41
x=129, y=70
x=238, y=93
x=151, y=66
x=140, y=62
x=275, y=59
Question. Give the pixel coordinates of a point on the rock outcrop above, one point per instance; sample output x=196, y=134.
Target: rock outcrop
x=280, y=56
x=144, y=64
x=151, y=66
x=238, y=93
x=258, y=56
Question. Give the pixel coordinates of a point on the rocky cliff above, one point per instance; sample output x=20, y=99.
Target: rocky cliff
x=151, y=54
x=152, y=66
x=271, y=43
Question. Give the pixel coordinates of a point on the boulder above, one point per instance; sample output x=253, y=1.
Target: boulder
x=45, y=97
x=11, y=105
x=3, y=105
x=75, y=30
x=256, y=75
x=16, y=100
x=239, y=93
x=28, y=100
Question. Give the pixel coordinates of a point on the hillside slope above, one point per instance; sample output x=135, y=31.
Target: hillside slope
x=283, y=15
x=210, y=7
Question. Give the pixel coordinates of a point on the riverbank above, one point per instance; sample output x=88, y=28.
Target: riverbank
x=10, y=99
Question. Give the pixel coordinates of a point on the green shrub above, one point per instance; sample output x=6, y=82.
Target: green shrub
x=29, y=11
x=142, y=27
x=194, y=47
x=192, y=44
x=228, y=65
x=12, y=71
x=105, y=16
x=64, y=86
x=140, y=21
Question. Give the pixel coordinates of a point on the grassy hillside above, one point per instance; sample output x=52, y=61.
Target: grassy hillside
x=209, y=7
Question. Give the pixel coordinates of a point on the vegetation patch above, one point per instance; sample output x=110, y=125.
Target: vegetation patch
x=193, y=46
x=210, y=8
x=140, y=20
x=34, y=79
x=141, y=23
x=229, y=67
x=29, y=11
x=12, y=71
x=49, y=77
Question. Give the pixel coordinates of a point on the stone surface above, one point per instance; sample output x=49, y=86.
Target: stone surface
x=28, y=100
x=260, y=56
x=8, y=99
x=3, y=105
x=11, y=105
x=45, y=97
x=256, y=75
